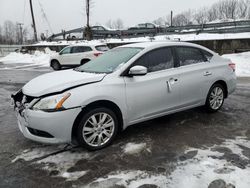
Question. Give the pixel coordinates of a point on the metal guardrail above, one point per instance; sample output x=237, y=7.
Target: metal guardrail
x=6, y=49
x=223, y=27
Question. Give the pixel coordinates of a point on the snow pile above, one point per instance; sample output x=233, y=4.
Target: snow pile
x=242, y=61
x=133, y=148
x=38, y=58
x=199, y=171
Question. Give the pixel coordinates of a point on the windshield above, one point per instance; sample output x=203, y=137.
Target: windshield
x=109, y=61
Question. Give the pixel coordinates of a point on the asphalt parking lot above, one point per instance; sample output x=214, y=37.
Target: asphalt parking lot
x=156, y=153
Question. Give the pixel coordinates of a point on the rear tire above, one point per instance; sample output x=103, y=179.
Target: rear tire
x=97, y=128
x=55, y=65
x=215, y=98
x=84, y=61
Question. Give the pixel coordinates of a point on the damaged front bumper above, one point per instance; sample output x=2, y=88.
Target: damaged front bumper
x=40, y=126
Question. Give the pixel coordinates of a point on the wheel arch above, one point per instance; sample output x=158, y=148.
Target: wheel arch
x=85, y=60
x=100, y=103
x=224, y=84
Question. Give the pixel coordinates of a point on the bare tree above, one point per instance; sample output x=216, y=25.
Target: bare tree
x=212, y=13
x=161, y=21
x=227, y=9
x=201, y=16
x=182, y=19
x=118, y=24
x=1, y=35
x=9, y=32
x=243, y=8
x=109, y=24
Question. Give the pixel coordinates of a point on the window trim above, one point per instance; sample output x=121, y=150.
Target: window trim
x=126, y=72
x=178, y=58
x=90, y=49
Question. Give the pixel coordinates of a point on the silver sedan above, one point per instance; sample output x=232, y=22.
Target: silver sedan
x=89, y=105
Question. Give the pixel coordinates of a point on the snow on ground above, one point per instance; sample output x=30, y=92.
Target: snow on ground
x=242, y=61
x=198, y=172
x=38, y=58
x=57, y=163
x=133, y=148
x=184, y=37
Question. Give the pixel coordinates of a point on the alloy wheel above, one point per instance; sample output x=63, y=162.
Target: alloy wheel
x=98, y=129
x=216, y=98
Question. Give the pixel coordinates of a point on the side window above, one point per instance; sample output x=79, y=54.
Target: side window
x=87, y=49
x=189, y=55
x=80, y=49
x=157, y=60
x=207, y=54
x=66, y=50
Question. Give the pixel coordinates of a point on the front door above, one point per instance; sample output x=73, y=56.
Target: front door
x=155, y=93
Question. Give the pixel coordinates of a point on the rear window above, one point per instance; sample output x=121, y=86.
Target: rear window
x=189, y=55
x=102, y=48
x=207, y=54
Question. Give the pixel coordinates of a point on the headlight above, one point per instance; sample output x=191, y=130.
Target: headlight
x=51, y=103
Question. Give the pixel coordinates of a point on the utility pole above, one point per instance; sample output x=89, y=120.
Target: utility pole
x=33, y=21
x=87, y=30
x=21, y=32
x=87, y=11
x=171, y=19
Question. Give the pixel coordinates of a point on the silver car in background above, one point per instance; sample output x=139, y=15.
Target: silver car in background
x=126, y=85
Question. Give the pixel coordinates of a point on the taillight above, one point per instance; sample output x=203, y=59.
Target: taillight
x=232, y=66
x=97, y=54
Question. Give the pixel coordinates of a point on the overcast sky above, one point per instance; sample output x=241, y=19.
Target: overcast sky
x=69, y=14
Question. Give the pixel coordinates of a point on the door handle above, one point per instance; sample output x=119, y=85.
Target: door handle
x=207, y=73
x=169, y=86
x=171, y=82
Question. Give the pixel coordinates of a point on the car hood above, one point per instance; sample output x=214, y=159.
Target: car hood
x=56, y=82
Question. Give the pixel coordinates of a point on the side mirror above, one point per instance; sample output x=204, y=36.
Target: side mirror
x=138, y=71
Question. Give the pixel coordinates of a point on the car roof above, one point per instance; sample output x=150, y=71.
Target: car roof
x=90, y=44
x=151, y=45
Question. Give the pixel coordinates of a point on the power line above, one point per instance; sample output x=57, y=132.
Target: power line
x=33, y=21
x=45, y=17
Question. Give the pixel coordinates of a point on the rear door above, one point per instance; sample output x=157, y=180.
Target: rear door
x=194, y=77
x=155, y=93
x=79, y=53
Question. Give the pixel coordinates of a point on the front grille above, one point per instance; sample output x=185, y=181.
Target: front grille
x=29, y=99
x=40, y=133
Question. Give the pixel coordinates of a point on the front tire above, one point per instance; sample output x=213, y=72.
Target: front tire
x=97, y=128
x=215, y=98
x=55, y=65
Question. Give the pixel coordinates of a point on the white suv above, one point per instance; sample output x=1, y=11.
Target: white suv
x=76, y=55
